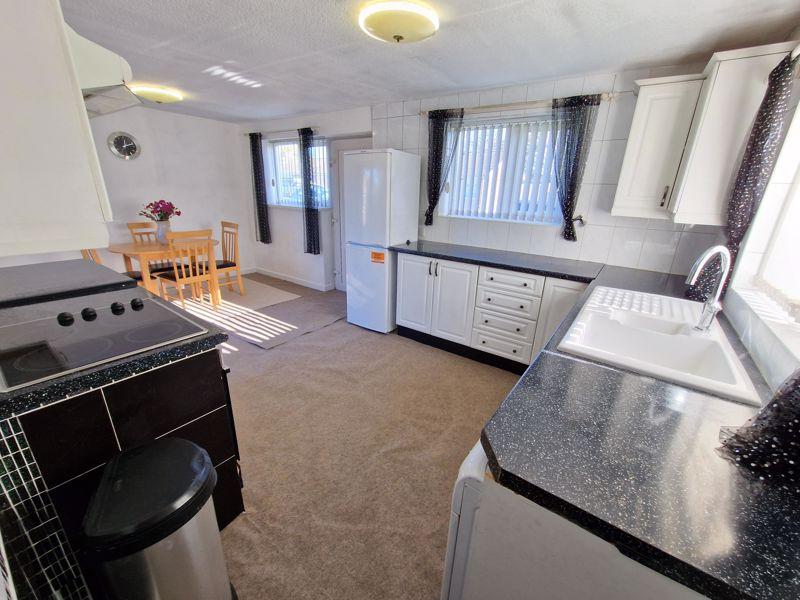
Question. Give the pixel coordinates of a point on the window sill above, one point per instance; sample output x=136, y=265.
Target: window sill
x=467, y=218
x=269, y=205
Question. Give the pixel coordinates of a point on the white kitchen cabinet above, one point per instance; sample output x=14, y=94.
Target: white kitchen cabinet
x=559, y=296
x=732, y=92
x=52, y=193
x=661, y=122
x=453, y=300
x=414, y=292
x=436, y=296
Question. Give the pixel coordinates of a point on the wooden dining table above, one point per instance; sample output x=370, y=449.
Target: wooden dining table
x=144, y=253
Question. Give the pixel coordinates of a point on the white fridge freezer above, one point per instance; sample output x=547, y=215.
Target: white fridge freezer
x=371, y=283
x=380, y=192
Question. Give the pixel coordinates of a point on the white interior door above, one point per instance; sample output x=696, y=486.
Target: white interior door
x=337, y=216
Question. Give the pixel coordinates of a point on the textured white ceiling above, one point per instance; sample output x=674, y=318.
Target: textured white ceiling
x=311, y=56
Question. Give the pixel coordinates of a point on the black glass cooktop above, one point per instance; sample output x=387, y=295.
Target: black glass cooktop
x=43, y=341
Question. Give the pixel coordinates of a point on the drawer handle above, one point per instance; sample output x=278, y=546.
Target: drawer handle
x=483, y=341
x=517, y=328
x=491, y=278
x=514, y=351
x=521, y=306
x=524, y=285
x=486, y=320
x=488, y=299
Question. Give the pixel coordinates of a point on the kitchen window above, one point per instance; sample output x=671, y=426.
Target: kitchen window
x=503, y=170
x=287, y=176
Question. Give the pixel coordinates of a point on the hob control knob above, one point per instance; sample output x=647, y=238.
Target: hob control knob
x=89, y=314
x=117, y=308
x=137, y=304
x=65, y=319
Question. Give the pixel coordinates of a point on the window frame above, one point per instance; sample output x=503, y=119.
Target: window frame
x=270, y=157
x=493, y=120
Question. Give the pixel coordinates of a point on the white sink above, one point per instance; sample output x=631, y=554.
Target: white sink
x=655, y=335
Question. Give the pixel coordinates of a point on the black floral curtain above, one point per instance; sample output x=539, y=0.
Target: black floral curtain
x=766, y=137
x=260, y=189
x=310, y=210
x=573, y=123
x=441, y=149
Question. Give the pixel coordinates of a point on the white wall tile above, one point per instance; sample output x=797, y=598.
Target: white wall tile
x=625, y=81
x=690, y=246
x=394, y=132
x=519, y=237
x=658, y=250
x=620, y=116
x=663, y=224
x=411, y=107
x=610, y=163
x=468, y=99
x=459, y=231
x=568, y=87
x=584, y=201
x=411, y=133
x=394, y=109
x=626, y=246
x=490, y=97
x=497, y=235
x=567, y=249
x=598, y=84
x=429, y=103
x=514, y=93
x=671, y=70
x=477, y=232
x=439, y=231
x=543, y=238
x=542, y=90
x=451, y=101
x=769, y=211
x=592, y=159
x=379, y=133
x=596, y=243
x=600, y=122
x=423, y=134
x=600, y=205
x=379, y=111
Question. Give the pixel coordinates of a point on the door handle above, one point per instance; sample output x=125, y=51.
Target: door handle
x=429, y=267
x=664, y=195
x=436, y=270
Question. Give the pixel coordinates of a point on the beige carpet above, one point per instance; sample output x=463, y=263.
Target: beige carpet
x=257, y=295
x=350, y=444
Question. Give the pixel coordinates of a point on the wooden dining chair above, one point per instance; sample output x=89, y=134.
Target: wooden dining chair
x=230, y=256
x=93, y=255
x=144, y=232
x=191, y=253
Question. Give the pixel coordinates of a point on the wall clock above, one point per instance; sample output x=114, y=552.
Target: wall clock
x=123, y=145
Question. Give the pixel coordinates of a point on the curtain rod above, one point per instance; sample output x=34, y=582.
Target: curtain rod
x=516, y=105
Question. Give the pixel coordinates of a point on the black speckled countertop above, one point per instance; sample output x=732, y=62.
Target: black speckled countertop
x=633, y=460
x=575, y=270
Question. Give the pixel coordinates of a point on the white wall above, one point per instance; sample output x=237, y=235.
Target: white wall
x=201, y=165
x=285, y=257
x=646, y=244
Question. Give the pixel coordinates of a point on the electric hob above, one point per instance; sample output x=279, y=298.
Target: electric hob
x=50, y=339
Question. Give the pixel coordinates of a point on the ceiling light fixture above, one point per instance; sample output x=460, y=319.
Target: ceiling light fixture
x=156, y=93
x=398, y=21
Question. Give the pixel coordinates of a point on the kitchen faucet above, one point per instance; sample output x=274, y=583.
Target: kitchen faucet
x=711, y=306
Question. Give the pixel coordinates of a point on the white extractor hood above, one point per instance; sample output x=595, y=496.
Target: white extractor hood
x=102, y=75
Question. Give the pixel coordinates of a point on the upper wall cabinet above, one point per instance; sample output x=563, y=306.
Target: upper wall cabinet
x=661, y=122
x=688, y=135
x=52, y=194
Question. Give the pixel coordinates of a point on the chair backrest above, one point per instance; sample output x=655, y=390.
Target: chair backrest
x=230, y=242
x=143, y=232
x=190, y=252
x=91, y=254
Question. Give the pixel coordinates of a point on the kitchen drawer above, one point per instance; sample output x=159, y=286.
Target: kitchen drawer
x=526, y=307
x=518, y=351
x=519, y=283
x=514, y=328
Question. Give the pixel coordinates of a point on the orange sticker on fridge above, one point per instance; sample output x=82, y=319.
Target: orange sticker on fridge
x=377, y=257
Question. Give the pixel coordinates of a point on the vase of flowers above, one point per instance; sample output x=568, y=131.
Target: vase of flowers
x=161, y=212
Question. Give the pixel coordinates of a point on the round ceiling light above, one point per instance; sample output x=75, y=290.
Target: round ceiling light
x=156, y=93
x=398, y=21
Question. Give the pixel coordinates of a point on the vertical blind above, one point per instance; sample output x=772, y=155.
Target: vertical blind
x=289, y=177
x=504, y=171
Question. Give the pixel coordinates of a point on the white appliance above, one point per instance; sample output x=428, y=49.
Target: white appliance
x=502, y=545
x=380, y=191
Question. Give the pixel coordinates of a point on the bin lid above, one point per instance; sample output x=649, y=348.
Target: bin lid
x=145, y=495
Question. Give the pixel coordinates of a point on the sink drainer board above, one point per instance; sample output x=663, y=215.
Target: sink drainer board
x=655, y=335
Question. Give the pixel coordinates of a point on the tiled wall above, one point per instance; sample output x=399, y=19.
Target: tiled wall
x=642, y=243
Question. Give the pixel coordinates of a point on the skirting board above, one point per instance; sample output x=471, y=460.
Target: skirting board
x=461, y=350
x=298, y=280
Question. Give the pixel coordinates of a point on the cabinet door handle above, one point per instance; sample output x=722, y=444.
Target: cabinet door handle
x=664, y=195
x=430, y=262
x=524, y=285
x=486, y=320
x=521, y=306
x=436, y=269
